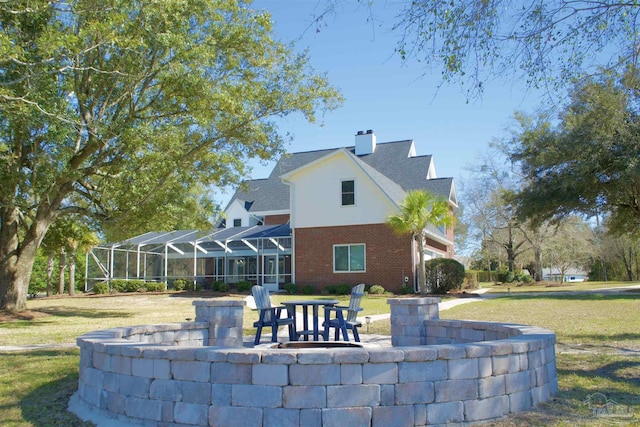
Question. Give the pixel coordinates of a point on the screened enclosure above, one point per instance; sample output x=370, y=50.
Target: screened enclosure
x=259, y=254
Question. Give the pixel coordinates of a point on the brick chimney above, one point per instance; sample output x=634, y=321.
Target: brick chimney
x=365, y=142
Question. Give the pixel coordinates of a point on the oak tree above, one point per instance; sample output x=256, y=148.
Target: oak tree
x=116, y=110
x=586, y=161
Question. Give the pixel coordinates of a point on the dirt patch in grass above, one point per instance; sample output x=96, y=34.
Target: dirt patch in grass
x=7, y=316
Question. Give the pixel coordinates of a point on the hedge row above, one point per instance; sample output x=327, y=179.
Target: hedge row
x=129, y=286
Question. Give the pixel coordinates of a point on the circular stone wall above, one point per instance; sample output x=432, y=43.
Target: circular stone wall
x=170, y=375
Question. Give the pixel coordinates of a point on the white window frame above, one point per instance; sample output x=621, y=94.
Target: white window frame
x=234, y=222
x=349, y=245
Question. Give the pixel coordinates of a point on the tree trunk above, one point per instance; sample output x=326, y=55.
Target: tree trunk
x=62, y=265
x=16, y=261
x=510, y=258
x=72, y=273
x=627, y=261
x=50, y=261
x=421, y=275
x=537, y=264
x=17, y=257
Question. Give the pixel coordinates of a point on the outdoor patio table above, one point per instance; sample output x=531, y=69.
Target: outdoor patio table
x=305, y=304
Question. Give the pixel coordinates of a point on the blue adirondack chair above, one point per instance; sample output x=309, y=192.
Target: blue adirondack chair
x=269, y=315
x=342, y=323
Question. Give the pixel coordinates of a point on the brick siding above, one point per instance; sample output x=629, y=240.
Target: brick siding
x=388, y=256
x=276, y=219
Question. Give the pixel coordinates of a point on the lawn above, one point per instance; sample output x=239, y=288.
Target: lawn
x=598, y=349
x=61, y=320
x=552, y=286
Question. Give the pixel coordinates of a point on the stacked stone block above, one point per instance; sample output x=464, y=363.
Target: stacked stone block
x=408, y=316
x=225, y=321
x=152, y=383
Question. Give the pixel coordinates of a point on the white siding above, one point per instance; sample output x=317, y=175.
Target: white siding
x=316, y=196
x=237, y=211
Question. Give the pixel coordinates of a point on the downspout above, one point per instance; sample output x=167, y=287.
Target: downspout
x=414, y=270
x=293, y=255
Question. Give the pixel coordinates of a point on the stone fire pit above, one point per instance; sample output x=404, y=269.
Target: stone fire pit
x=199, y=374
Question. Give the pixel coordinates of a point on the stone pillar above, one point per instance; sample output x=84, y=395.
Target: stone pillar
x=407, y=319
x=225, y=321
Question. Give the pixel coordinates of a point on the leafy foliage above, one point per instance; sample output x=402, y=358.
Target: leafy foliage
x=243, y=286
x=308, y=290
x=419, y=210
x=470, y=280
x=183, y=285
x=545, y=43
x=290, y=288
x=376, y=290
x=223, y=287
x=127, y=285
x=155, y=286
x=588, y=163
x=444, y=275
x=101, y=288
x=126, y=113
x=341, y=289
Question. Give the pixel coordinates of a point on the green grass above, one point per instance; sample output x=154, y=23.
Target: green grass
x=35, y=388
x=598, y=349
x=553, y=287
x=61, y=320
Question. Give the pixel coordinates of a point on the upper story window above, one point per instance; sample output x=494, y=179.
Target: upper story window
x=348, y=193
x=237, y=222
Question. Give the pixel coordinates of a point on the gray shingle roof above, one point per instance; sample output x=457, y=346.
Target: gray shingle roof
x=390, y=166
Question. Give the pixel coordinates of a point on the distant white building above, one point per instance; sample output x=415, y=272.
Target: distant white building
x=554, y=274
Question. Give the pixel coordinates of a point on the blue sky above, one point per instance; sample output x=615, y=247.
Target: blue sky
x=398, y=101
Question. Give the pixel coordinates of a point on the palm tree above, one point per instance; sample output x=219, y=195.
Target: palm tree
x=79, y=237
x=419, y=209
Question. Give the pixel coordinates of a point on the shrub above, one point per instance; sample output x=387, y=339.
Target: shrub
x=219, y=286
x=506, y=276
x=155, y=286
x=243, y=286
x=291, y=288
x=308, y=290
x=522, y=277
x=444, y=275
x=405, y=290
x=376, y=290
x=341, y=289
x=101, y=288
x=180, y=284
x=471, y=280
x=120, y=285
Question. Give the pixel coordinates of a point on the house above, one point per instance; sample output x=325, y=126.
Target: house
x=570, y=275
x=336, y=202
x=318, y=219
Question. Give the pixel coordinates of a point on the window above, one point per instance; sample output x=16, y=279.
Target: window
x=348, y=193
x=349, y=258
x=237, y=222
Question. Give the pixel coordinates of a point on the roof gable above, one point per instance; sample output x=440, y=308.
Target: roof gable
x=391, y=166
x=391, y=189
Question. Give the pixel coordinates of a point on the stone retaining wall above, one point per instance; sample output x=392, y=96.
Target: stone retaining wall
x=163, y=376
